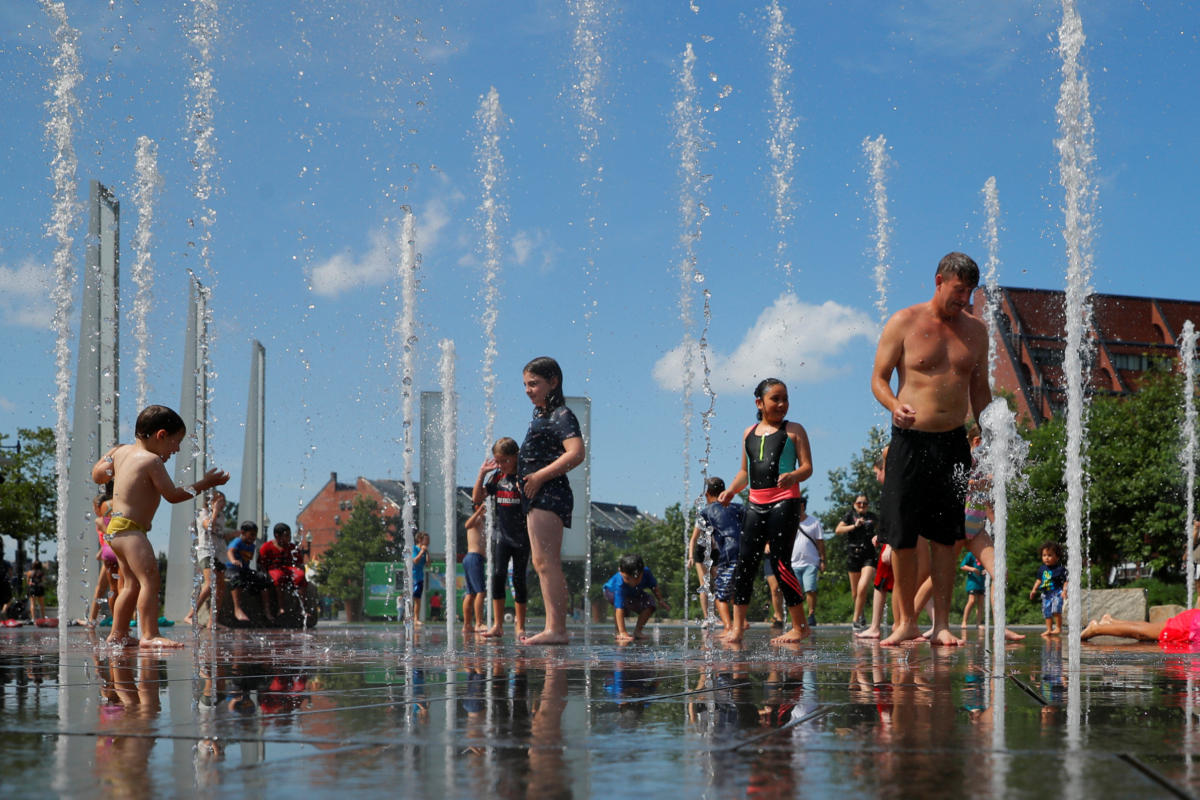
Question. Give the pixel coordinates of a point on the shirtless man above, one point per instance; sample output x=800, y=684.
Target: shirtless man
x=940, y=353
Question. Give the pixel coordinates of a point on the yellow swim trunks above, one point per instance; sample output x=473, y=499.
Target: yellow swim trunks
x=119, y=525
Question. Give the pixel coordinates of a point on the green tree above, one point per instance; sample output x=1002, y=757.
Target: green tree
x=363, y=538
x=1134, y=495
x=27, y=507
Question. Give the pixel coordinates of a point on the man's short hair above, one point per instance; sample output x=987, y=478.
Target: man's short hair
x=959, y=265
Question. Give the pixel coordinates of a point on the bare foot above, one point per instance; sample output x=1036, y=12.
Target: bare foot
x=468, y=630
x=1107, y=618
x=159, y=641
x=121, y=641
x=623, y=638
x=639, y=635
x=734, y=636
x=909, y=633
x=521, y=634
x=944, y=638
x=1090, y=630
x=869, y=633
x=241, y=616
x=1056, y=632
x=1012, y=636
x=547, y=637
x=187, y=620
x=482, y=628
x=494, y=632
x=793, y=636
x=1045, y=634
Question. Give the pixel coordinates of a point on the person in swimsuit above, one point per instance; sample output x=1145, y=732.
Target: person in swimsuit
x=552, y=448
x=1181, y=630
x=209, y=523
x=775, y=459
x=35, y=581
x=140, y=480
x=498, y=479
x=106, y=575
x=940, y=354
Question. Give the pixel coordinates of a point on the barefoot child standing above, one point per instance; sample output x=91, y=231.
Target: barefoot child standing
x=473, y=564
x=775, y=459
x=140, y=479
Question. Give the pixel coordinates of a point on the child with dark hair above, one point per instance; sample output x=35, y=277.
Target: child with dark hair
x=1052, y=581
x=724, y=527
x=139, y=475
x=242, y=577
x=472, y=607
x=627, y=591
x=498, y=479
x=776, y=459
x=552, y=448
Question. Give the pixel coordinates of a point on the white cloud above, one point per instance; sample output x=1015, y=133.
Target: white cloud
x=792, y=340
x=345, y=271
x=25, y=295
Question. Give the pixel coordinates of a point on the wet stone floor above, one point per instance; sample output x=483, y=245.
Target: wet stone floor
x=350, y=711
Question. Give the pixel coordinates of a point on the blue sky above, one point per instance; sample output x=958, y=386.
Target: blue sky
x=331, y=116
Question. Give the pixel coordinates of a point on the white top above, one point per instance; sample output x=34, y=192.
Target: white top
x=804, y=551
x=204, y=538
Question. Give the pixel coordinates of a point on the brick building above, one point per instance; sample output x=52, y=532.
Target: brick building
x=324, y=515
x=1131, y=335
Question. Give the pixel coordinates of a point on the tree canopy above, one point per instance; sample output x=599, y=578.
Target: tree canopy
x=27, y=495
x=365, y=537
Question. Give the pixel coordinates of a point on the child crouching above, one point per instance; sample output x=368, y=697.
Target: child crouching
x=627, y=591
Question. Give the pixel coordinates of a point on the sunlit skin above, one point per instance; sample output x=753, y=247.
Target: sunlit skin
x=140, y=480
x=773, y=406
x=546, y=527
x=940, y=354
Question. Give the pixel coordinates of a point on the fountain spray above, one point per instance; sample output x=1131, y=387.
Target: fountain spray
x=1188, y=455
x=145, y=194
x=1076, y=161
x=64, y=111
x=406, y=327
x=588, y=40
x=449, y=451
x=690, y=139
x=491, y=167
x=876, y=152
x=781, y=146
x=991, y=204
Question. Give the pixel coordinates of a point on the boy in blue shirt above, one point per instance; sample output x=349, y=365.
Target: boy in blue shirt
x=420, y=560
x=242, y=577
x=1052, y=582
x=627, y=592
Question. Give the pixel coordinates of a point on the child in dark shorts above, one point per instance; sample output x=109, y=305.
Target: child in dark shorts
x=725, y=533
x=420, y=560
x=627, y=591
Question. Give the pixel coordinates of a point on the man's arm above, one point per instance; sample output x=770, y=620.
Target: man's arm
x=981, y=391
x=888, y=354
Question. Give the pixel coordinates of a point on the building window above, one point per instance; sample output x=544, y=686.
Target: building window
x=1046, y=357
x=337, y=519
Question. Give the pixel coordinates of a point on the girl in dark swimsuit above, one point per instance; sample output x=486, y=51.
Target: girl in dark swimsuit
x=552, y=448
x=775, y=459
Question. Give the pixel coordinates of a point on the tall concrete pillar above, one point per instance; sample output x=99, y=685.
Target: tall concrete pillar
x=192, y=459
x=251, y=502
x=96, y=399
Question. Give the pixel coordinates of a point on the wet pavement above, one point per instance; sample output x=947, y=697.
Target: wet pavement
x=348, y=710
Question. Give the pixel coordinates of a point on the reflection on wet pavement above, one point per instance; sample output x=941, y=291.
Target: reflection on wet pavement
x=345, y=710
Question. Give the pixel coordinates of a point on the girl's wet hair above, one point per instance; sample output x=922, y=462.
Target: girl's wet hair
x=157, y=418
x=505, y=446
x=763, y=387
x=547, y=368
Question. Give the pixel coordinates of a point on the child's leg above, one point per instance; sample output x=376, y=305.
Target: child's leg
x=480, y=619
x=866, y=583
x=1129, y=629
x=643, y=616
x=134, y=551
x=545, y=539
x=726, y=614
x=205, y=591
x=101, y=591
x=876, y=628
x=966, y=615
x=1057, y=623
x=468, y=613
